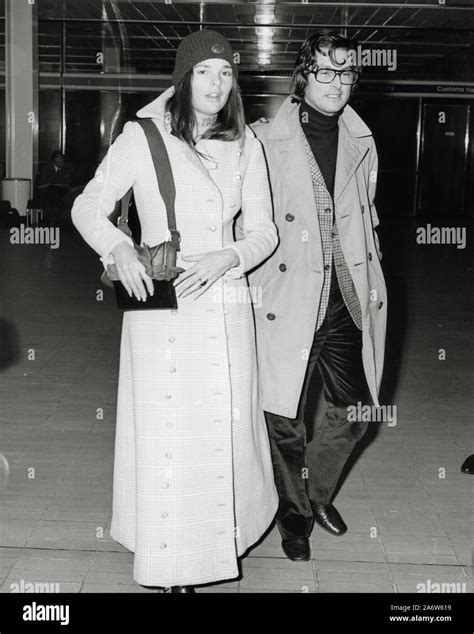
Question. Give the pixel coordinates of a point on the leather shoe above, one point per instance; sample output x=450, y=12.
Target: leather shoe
x=327, y=516
x=296, y=548
x=179, y=590
x=468, y=465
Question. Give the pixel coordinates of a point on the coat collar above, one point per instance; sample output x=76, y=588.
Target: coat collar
x=286, y=122
x=285, y=132
x=156, y=109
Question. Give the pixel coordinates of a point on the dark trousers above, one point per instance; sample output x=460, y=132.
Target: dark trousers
x=306, y=472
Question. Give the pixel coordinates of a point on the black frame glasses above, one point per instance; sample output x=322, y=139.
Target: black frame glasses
x=331, y=75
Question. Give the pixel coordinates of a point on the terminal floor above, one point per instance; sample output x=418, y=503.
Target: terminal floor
x=408, y=507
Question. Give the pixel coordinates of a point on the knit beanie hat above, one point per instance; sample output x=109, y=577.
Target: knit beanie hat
x=197, y=47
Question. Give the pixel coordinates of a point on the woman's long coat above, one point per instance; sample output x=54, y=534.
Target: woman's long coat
x=193, y=481
x=286, y=319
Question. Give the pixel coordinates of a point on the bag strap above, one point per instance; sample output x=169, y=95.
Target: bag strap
x=164, y=175
x=124, y=205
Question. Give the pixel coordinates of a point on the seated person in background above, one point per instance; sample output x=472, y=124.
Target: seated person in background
x=55, y=182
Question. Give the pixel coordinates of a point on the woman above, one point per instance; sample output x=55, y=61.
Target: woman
x=193, y=482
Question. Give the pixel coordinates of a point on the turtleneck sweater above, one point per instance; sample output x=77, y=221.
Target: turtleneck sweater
x=322, y=132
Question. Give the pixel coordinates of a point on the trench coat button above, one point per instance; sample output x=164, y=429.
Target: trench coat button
x=168, y=396
x=282, y=267
x=171, y=339
x=232, y=205
x=169, y=424
x=289, y=217
x=333, y=234
x=213, y=228
x=326, y=267
x=166, y=485
x=380, y=304
x=362, y=208
x=328, y=210
x=168, y=455
x=165, y=515
x=370, y=256
x=172, y=370
x=237, y=176
x=270, y=316
x=163, y=545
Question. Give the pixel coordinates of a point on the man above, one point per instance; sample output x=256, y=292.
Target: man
x=55, y=183
x=323, y=292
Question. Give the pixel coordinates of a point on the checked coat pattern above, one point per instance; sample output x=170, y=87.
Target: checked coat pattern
x=193, y=481
x=332, y=251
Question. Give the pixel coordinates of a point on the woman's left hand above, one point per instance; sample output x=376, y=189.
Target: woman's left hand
x=209, y=268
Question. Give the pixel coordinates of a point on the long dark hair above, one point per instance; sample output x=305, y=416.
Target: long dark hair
x=230, y=121
x=305, y=59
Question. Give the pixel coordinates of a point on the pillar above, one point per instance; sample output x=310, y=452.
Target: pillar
x=21, y=83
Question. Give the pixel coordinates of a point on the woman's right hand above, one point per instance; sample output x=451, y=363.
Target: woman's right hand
x=131, y=271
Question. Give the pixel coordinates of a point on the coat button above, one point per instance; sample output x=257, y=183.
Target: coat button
x=326, y=267
x=282, y=267
x=328, y=210
x=271, y=316
x=213, y=228
x=172, y=370
x=362, y=209
x=171, y=339
x=380, y=304
x=333, y=234
x=169, y=424
x=370, y=256
x=163, y=545
x=166, y=485
x=168, y=396
x=165, y=515
x=237, y=176
x=289, y=217
x=232, y=205
x=168, y=455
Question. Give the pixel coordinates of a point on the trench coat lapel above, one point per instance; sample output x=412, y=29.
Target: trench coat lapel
x=297, y=175
x=350, y=154
x=287, y=142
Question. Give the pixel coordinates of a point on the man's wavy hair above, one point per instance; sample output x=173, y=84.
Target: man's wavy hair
x=230, y=121
x=324, y=42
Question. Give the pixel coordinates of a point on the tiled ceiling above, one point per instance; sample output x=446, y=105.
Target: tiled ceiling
x=431, y=40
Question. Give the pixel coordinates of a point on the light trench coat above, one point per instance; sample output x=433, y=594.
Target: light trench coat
x=286, y=318
x=193, y=481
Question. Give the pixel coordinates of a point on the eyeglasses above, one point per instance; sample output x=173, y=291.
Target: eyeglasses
x=326, y=75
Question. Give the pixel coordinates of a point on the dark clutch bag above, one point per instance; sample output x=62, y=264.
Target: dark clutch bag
x=159, y=261
x=164, y=297
x=160, y=265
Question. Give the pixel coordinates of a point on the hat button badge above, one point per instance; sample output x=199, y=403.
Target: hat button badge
x=217, y=48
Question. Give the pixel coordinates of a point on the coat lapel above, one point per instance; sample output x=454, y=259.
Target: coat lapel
x=290, y=154
x=350, y=154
